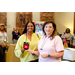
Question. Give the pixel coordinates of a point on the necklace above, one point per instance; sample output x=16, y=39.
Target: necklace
x=43, y=43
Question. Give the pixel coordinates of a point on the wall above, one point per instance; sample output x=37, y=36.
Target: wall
x=36, y=16
x=21, y=19
x=64, y=20
x=46, y=16
x=11, y=22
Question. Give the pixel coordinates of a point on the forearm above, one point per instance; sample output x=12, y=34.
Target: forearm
x=6, y=43
x=36, y=53
x=63, y=37
x=18, y=53
x=56, y=55
x=70, y=42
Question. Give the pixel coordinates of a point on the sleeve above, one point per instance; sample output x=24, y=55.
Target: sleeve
x=58, y=44
x=71, y=38
x=12, y=32
x=62, y=36
x=6, y=37
x=18, y=48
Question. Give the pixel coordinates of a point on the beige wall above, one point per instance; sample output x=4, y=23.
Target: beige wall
x=11, y=22
x=36, y=16
x=64, y=20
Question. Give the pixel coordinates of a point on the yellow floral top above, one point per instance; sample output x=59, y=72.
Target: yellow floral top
x=33, y=45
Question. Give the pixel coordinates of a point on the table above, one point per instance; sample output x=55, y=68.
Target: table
x=69, y=54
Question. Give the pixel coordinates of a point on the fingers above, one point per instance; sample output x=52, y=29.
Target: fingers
x=30, y=51
x=22, y=50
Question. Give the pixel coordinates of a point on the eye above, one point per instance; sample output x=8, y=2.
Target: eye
x=31, y=26
x=28, y=26
x=50, y=27
x=45, y=26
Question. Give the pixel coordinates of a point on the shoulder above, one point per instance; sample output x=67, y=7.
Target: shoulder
x=57, y=38
x=22, y=36
x=34, y=34
x=12, y=31
x=69, y=33
x=58, y=41
x=37, y=35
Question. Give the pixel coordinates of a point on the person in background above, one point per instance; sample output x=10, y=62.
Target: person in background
x=66, y=36
x=50, y=47
x=15, y=35
x=3, y=42
x=72, y=40
x=28, y=36
x=57, y=33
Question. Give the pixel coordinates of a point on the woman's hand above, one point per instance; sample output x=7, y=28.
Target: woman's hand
x=22, y=50
x=66, y=38
x=44, y=55
x=31, y=51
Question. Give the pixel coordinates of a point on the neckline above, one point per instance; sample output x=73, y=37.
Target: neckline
x=28, y=38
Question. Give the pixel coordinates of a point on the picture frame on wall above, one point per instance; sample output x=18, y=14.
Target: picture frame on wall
x=3, y=19
x=46, y=16
x=38, y=28
x=21, y=19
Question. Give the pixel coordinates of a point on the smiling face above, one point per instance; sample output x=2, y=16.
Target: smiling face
x=30, y=27
x=48, y=29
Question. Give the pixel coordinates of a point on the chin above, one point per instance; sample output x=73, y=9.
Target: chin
x=48, y=33
x=30, y=30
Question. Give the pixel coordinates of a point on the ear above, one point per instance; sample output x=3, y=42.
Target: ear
x=53, y=28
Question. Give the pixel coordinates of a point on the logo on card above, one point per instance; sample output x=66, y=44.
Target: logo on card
x=26, y=46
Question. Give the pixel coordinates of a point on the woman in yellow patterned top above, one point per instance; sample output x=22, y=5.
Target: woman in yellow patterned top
x=32, y=38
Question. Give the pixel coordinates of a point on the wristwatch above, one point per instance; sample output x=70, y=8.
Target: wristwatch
x=48, y=55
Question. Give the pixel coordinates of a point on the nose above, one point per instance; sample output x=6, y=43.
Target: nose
x=48, y=28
